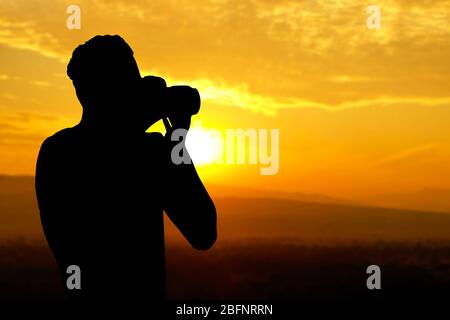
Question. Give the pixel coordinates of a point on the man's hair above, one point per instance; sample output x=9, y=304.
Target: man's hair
x=102, y=57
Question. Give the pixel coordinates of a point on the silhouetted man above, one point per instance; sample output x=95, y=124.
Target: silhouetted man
x=103, y=184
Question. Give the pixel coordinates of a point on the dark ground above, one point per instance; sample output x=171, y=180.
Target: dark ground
x=338, y=242
x=260, y=270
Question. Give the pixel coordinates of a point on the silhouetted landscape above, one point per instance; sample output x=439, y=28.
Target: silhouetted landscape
x=295, y=249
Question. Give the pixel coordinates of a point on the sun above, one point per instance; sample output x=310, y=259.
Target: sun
x=202, y=147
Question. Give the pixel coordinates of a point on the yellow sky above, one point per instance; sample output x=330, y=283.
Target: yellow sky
x=359, y=111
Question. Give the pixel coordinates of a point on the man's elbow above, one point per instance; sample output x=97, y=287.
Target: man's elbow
x=206, y=235
x=206, y=242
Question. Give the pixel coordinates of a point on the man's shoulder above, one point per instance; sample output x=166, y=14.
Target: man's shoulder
x=64, y=133
x=70, y=136
x=60, y=138
x=54, y=148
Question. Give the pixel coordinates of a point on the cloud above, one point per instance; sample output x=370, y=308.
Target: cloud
x=345, y=79
x=262, y=56
x=227, y=95
x=27, y=35
x=8, y=77
x=40, y=83
x=8, y=96
x=240, y=97
x=409, y=155
x=27, y=128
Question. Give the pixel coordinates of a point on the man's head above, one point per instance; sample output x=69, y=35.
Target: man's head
x=106, y=77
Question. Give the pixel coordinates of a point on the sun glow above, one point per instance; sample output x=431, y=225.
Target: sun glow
x=202, y=146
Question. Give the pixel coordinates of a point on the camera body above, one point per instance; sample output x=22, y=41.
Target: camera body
x=170, y=101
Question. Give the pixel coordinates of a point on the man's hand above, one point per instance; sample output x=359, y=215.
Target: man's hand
x=179, y=121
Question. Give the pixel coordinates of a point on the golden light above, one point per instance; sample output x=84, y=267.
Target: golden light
x=202, y=146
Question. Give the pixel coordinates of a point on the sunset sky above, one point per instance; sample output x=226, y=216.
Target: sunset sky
x=360, y=111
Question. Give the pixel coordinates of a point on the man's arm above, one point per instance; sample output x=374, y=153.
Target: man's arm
x=188, y=204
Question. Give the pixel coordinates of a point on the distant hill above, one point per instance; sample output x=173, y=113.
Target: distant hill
x=19, y=215
x=256, y=215
x=220, y=191
x=281, y=218
x=427, y=199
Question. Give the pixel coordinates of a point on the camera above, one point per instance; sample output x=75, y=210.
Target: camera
x=171, y=100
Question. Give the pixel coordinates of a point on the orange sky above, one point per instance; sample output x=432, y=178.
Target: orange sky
x=360, y=111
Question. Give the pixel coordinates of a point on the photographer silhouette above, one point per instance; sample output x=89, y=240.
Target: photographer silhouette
x=102, y=185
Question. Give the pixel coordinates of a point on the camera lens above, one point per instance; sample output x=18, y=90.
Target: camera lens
x=183, y=99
